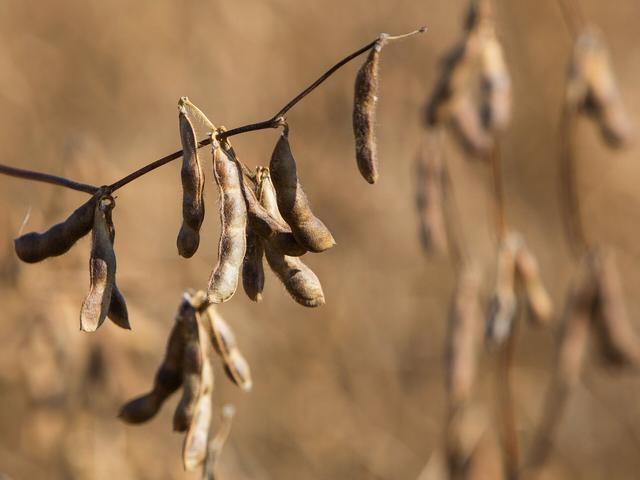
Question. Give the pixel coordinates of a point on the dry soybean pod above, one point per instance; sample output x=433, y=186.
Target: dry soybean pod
x=118, y=312
x=194, y=449
x=224, y=343
x=252, y=267
x=216, y=443
x=102, y=269
x=167, y=380
x=430, y=194
x=464, y=331
x=617, y=340
x=364, y=113
x=299, y=280
x=496, y=83
x=34, y=247
x=191, y=366
x=294, y=206
x=538, y=299
x=276, y=231
x=503, y=307
x=233, y=218
x=591, y=64
x=192, y=189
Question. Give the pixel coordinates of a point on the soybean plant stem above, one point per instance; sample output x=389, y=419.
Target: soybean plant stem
x=47, y=178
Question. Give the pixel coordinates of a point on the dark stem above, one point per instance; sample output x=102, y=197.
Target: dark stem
x=47, y=178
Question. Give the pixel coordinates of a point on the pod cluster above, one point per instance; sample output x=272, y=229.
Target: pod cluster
x=198, y=334
x=473, y=93
x=104, y=299
x=263, y=214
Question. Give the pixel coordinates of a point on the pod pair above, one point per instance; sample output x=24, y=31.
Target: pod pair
x=517, y=275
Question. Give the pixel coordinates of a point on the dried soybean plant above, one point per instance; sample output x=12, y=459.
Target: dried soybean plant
x=472, y=100
x=263, y=213
x=595, y=303
x=197, y=333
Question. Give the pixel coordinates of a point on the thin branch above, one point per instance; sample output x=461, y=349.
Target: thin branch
x=47, y=178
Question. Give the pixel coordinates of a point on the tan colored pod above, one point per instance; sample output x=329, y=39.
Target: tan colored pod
x=168, y=379
x=34, y=247
x=102, y=269
x=224, y=343
x=538, y=299
x=503, y=308
x=496, y=83
x=194, y=449
x=614, y=332
x=293, y=204
x=237, y=369
x=276, y=231
x=252, y=267
x=430, y=193
x=192, y=362
x=233, y=217
x=364, y=114
x=466, y=124
x=217, y=442
x=465, y=329
x=192, y=178
x=592, y=87
x=299, y=280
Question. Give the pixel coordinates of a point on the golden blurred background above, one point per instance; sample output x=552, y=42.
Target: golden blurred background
x=354, y=389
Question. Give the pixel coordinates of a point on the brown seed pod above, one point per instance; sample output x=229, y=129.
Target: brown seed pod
x=233, y=218
x=224, y=343
x=503, y=308
x=294, y=206
x=364, y=113
x=592, y=87
x=34, y=247
x=299, y=280
x=464, y=331
x=102, y=269
x=194, y=449
x=615, y=335
x=192, y=362
x=275, y=230
x=192, y=190
x=430, y=181
x=118, y=312
x=252, y=267
x=216, y=443
x=496, y=83
x=167, y=380
x=466, y=124
x=538, y=299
